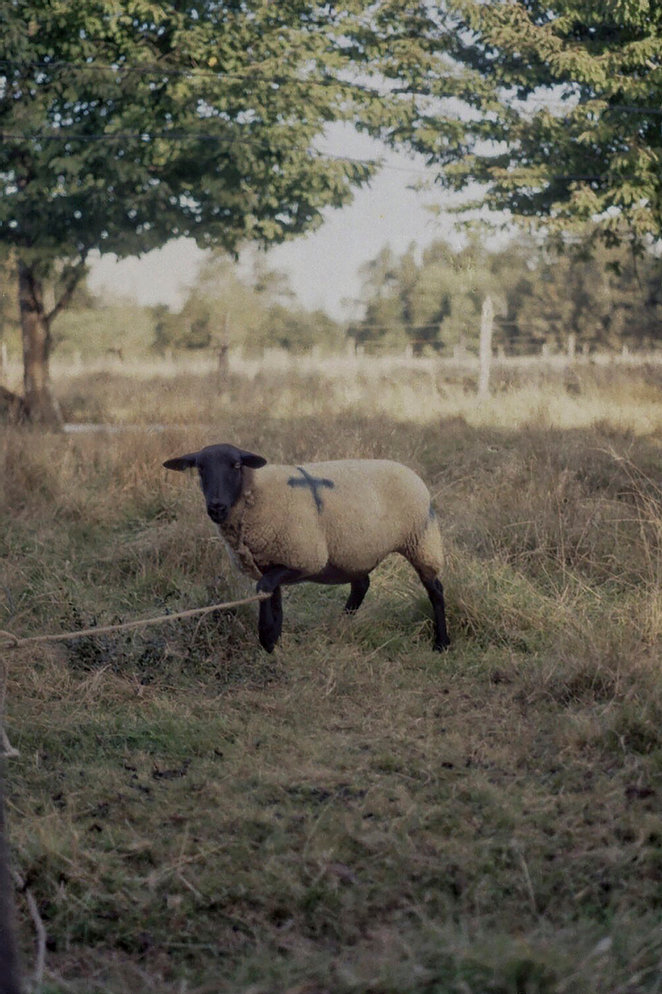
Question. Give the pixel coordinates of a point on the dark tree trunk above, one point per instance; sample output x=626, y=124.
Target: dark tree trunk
x=9, y=981
x=13, y=408
x=42, y=406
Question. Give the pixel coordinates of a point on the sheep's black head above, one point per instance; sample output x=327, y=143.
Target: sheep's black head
x=220, y=470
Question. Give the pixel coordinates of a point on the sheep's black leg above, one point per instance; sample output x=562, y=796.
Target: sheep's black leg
x=357, y=593
x=270, y=620
x=436, y=595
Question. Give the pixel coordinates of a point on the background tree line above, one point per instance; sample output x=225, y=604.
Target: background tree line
x=605, y=299
x=429, y=301
x=250, y=307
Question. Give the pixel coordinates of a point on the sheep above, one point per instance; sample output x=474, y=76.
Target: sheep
x=325, y=522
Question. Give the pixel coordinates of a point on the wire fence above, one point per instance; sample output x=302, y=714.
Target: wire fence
x=354, y=359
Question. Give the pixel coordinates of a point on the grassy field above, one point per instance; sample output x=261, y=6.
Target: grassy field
x=354, y=814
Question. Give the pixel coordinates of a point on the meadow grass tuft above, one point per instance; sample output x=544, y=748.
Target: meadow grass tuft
x=355, y=814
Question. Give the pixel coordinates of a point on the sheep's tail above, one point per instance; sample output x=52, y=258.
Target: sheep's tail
x=425, y=551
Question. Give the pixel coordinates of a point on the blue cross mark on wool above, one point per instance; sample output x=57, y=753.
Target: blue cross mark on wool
x=314, y=482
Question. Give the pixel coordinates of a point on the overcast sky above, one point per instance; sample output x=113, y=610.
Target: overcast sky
x=324, y=266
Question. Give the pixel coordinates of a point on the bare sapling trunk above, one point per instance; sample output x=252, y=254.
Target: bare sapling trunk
x=42, y=406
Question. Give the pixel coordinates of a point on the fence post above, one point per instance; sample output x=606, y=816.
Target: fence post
x=3, y=361
x=485, y=347
x=223, y=358
x=9, y=970
x=572, y=346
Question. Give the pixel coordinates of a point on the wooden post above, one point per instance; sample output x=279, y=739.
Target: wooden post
x=460, y=350
x=3, y=361
x=9, y=974
x=572, y=346
x=223, y=350
x=485, y=347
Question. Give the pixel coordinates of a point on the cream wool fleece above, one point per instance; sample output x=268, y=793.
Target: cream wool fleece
x=334, y=521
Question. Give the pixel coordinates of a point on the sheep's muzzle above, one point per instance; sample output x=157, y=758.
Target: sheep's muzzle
x=217, y=511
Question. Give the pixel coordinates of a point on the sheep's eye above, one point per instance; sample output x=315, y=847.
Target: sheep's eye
x=237, y=465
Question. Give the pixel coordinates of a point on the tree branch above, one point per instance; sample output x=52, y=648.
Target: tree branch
x=73, y=277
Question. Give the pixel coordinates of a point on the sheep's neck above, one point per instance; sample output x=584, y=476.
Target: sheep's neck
x=232, y=528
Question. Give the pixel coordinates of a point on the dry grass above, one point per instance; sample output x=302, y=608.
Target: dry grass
x=399, y=388
x=356, y=813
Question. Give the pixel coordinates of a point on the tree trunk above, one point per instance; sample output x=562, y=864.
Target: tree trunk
x=42, y=406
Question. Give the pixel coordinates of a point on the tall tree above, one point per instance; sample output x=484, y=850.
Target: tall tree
x=125, y=124
x=556, y=108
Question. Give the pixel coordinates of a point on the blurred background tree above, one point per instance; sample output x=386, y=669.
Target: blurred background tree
x=605, y=299
x=254, y=310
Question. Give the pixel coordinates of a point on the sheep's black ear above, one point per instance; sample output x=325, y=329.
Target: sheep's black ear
x=182, y=462
x=251, y=460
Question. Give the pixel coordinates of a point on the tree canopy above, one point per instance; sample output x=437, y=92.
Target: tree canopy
x=124, y=125
x=554, y=108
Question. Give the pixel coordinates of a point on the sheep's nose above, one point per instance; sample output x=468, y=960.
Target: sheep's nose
x=217, y=511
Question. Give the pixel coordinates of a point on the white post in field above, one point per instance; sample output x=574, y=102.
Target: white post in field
x=485, y=346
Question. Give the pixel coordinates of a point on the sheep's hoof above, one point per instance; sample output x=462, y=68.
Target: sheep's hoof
x=442, y=646
x=268, y=642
